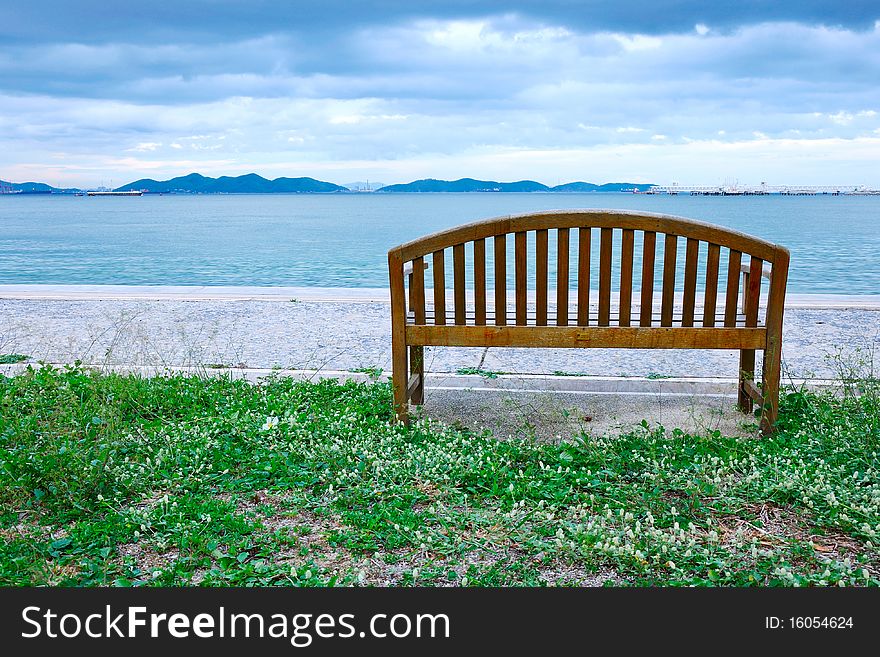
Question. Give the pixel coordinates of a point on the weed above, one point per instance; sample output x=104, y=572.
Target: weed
x=10, y=359
x=372, y=372
x=486, y=374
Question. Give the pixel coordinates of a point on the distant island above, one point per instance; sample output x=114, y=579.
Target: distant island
x=471, y=185
x=32, y=188
x=251, y=183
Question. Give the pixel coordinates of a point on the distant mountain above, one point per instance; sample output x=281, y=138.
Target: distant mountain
x=576, y=187
x=607, y=187
x=465, y=185
x=471, y=185
x=7, y=187
x=250, y=183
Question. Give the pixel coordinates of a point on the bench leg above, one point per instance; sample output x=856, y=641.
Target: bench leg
x=417, y=367
x=399, y=381
x=746, y=372
x=770, y=385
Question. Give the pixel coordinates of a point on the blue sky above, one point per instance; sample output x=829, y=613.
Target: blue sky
x=392, y=91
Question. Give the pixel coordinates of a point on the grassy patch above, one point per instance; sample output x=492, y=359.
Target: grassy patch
x=176, y=480
x=372, y=372
x=486, y=374
x=11, y=359
x=565, y=373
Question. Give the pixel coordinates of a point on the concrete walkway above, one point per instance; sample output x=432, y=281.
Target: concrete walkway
x=336, y=331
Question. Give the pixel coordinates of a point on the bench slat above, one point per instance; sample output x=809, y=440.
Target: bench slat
x=753, y=291
x=733, y=267
x=626, y=276
x=583, y=276
x=670, y=251
x=692, y=253
x=541, y=275
x=521, y=273
x=458, y=281
x=649, y=249
x=578, y=336
x=417, y=296
x=605, y=246
x=439, y=288
x=480, y=281
x=500, y=245
x=562, y=243
x=710, y=298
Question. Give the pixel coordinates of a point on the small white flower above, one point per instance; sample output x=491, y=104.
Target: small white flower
x=270, y=423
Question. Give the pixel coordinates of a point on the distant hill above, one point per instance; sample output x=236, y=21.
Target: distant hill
x=465, y=185
x=576, y=187
x=624, y=187
x=607, y=187
x=7, y=187
x=250, y=183
x=471, y=185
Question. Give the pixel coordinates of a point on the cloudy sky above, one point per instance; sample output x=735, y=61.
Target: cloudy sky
x=786, y=92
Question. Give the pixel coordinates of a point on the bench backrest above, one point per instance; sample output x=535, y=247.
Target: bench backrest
x=714, y=258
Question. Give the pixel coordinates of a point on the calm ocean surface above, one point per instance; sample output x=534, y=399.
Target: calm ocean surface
x=341, y=241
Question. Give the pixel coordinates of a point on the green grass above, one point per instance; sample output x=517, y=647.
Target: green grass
x=120, y=480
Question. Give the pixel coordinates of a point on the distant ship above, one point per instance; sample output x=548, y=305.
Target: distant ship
x=133, y=192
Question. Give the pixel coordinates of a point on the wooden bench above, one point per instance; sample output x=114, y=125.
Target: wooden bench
x=623, y=316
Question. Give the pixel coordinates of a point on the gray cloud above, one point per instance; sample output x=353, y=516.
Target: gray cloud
x=162, y=21
x=261, y=87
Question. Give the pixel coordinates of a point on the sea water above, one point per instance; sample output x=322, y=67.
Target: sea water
x=341, y=240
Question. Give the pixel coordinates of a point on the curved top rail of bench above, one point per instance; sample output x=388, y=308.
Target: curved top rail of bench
x=646, y=221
